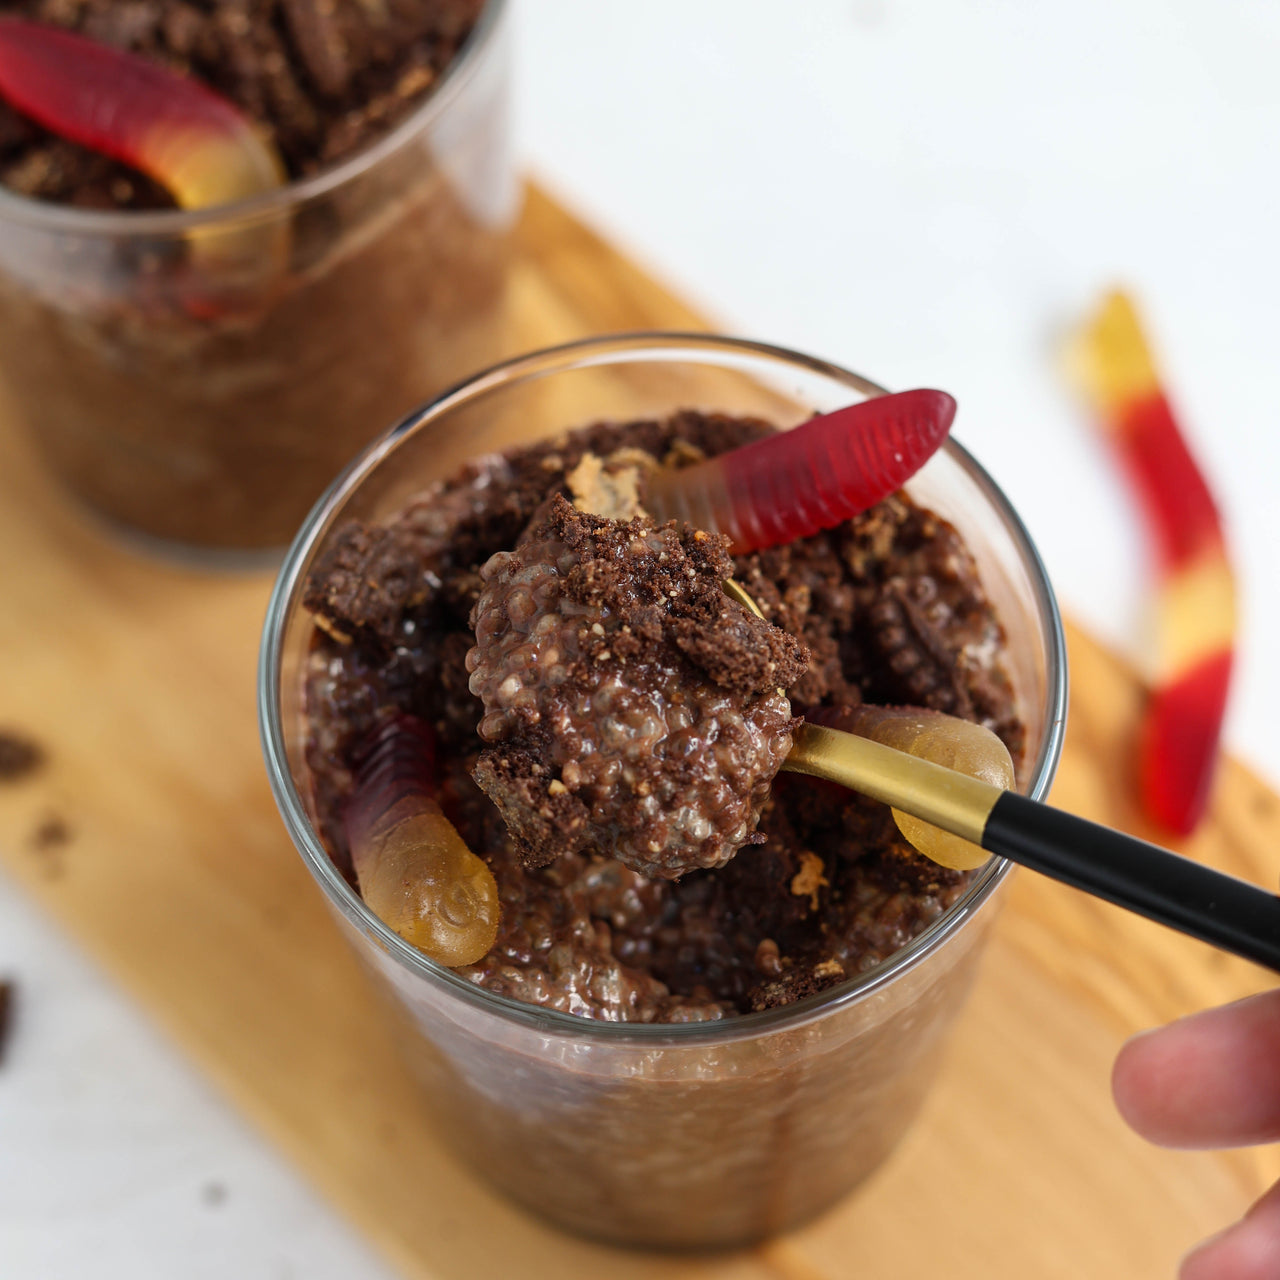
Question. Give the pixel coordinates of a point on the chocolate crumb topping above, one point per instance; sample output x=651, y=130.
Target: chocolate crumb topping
x=544, y=817
x=365, y=580
x=796, y=985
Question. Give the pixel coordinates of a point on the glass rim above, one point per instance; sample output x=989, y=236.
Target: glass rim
x=565, y=357
x=46, y=215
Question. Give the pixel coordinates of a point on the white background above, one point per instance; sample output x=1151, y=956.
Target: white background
x=929, y=193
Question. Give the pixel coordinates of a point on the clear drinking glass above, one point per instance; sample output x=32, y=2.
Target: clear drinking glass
x=200, y=376
x=706, y=1134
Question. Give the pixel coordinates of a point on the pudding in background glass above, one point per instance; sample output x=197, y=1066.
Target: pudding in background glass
x=197, y=376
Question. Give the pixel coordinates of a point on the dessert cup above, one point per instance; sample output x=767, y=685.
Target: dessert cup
x=701, y=1134
x=199, y=376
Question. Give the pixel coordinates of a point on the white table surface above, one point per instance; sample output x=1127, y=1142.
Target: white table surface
x=929, y=193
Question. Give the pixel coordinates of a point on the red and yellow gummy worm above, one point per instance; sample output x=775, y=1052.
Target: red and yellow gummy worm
x=1196, y=608
x=193, y=142
x=188, y=138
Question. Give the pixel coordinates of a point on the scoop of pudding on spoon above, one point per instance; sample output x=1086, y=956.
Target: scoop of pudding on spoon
x=629, y=706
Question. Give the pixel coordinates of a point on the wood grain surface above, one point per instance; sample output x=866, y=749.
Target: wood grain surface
x=177, y=876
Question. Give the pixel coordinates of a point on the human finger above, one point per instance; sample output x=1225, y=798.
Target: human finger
x=1248, y=1250
x=1209, y=1080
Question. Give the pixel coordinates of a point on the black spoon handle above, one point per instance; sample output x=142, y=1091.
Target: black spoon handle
x=1231, y=914
x=1153, y=882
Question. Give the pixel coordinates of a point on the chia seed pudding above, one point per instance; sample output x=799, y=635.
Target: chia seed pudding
x=646, y=712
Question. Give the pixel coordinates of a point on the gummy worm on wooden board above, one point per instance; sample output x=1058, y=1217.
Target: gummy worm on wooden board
x=1195, y=616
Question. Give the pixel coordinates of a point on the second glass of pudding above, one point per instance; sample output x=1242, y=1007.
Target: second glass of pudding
x=198, y=376
x=679, y=1133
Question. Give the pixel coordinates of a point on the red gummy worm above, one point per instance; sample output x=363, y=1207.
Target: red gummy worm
x=794, y=483
x=1178, y=745
x=102, y=98
x=188, y=138
x=1181, y=512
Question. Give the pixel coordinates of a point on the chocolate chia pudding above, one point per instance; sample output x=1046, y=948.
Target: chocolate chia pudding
x=610, y=725
x=210, y=405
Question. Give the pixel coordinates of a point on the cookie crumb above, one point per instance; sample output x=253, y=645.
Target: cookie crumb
x=796, y=984
x=809, y=880
x=603, y=489
x=768, y=959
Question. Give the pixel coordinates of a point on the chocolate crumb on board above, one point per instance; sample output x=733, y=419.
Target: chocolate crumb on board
x=214, y=1194
x=52, y=833
x=20, y=755
x=47, y=842
x=6, y=1014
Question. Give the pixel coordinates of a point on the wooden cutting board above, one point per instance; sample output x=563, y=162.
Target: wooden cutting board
x=175, y=873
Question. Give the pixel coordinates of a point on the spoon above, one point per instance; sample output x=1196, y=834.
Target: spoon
x=1219, y=909
x=1226, y=912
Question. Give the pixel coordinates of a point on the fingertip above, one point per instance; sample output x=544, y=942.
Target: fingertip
x=1148, y=1083
x=1129, y=1079
x=1208, y=1080
x=1206, y=1260
x=1247, y=1250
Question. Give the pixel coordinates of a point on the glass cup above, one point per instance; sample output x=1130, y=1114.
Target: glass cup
x=200, y=376
x=702, y=1134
